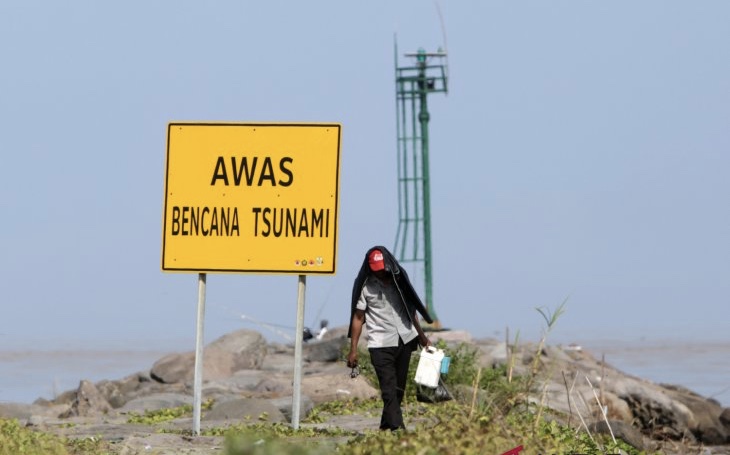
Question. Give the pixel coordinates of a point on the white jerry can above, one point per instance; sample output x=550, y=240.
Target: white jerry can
x=428, y=372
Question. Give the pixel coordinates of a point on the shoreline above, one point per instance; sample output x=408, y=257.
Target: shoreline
x=32, y=374
x=36, y=368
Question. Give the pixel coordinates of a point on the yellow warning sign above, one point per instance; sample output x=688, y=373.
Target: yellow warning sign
x=251, y=197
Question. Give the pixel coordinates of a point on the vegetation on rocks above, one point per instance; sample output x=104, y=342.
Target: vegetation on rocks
x=490, y=413
x=15, y=440
x=165, y=415
x=498, y=420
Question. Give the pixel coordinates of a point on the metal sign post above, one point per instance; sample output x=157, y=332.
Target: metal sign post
x=198, y=379
x=298, y=340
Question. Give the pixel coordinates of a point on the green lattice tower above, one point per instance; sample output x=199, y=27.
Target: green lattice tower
x=414, y=83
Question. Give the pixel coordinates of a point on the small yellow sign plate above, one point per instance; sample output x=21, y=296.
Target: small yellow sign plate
x=251, y=197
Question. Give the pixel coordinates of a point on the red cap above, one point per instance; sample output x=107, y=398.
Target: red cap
x=375, y=259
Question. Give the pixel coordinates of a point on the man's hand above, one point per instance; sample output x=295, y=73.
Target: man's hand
x=425, y=342
x=352, y=359
x=358, y=319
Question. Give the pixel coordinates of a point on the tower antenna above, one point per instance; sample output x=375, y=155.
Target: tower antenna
x=424, y=74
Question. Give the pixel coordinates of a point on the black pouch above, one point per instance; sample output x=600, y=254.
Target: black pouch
x=433, y=395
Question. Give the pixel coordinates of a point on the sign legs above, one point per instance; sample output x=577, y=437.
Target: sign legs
x=198, y=379
x=199, y=341
x=298, y=340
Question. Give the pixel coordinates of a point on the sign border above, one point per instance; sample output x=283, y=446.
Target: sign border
x=297, y=271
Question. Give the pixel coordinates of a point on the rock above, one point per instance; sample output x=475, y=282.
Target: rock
x=660, y=418
x=492, y=355
x=174, y=368
x=279, y=362
x=66, y=398
x=118, y=392
x=180, y=368
x=725, y=418
x=275, y=385
x=617, y=409
x=36, y=421
x=556, y=353
x=241, y=382
x=322, y=368
x=659, y=411
x=450, y=337
x=465, y=393
x=337, y=332
x=620, y=430
x=156, y=402
x=285, y=404
x=243, y=349
x=89, y=402
x=140, y=385
x=329, y=350
x=324, y=388
x=246, y=348
x=705, y=424
x=112, y=393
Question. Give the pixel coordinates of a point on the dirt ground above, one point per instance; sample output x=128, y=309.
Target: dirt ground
x=133, y=439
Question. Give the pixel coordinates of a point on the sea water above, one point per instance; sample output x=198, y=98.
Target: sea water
x=701, y=366
x=35, y=369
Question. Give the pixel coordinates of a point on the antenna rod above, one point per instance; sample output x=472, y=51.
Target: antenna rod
x=413, y=84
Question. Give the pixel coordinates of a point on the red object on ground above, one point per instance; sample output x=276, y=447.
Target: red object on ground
x=514, y=451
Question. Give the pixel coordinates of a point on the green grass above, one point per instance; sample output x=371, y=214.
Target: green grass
x=15, y=440
x=165, y=415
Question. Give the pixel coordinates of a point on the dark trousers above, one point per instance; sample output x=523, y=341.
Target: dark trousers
x=391, y=366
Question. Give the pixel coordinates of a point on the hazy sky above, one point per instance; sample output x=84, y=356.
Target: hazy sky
x=582, y=153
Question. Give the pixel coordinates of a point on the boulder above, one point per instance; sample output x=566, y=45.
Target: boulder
x=706, y=424
x=240, y=382
x=240, y=350
x=279, y=362
x=174, y=368
x=112, y=393
x=492, y=354
x=658, y=411
x=620, y=430
x=725, y=418
x=329, y=350
x=89, y=402
x=245, y=348
x=274, y=385
x=324, y=388
x=120, y=392
x=285, y=404
x=156, y=402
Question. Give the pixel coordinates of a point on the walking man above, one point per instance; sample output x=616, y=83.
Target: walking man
x=384, y=301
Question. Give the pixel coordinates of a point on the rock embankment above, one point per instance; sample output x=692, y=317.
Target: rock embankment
x=248, y=378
